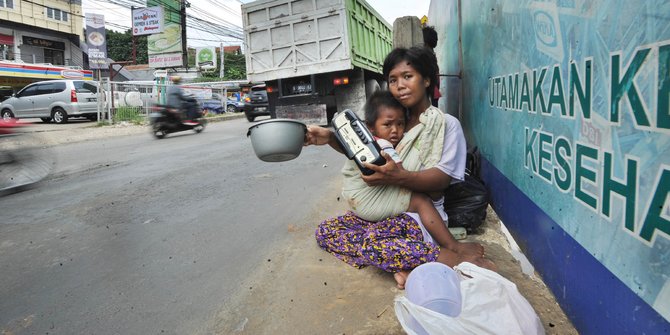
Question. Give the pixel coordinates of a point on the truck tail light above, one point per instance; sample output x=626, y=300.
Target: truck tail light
x=341, y=81
x=73, y=96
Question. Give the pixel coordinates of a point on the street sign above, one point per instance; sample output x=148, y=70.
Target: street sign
x=160, y=73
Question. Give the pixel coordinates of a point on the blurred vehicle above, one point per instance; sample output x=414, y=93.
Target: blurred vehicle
x=55, y=100
x=23, y=160
x=256, y=103
x=165, y=119
x=215, y=105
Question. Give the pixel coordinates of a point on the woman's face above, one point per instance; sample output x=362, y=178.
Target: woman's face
x=407, y=85
x=390, y=124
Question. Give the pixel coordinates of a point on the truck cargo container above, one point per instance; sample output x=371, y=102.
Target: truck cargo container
x=315, y=57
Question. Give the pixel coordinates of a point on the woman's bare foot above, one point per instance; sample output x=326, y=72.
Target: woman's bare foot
x=400, y=279
x=469, y=248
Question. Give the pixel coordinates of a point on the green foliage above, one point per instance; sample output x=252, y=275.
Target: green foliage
x=234, y=67
x=120, y=47
x=130, y=114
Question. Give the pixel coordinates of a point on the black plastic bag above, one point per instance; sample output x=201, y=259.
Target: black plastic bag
x=466, y=202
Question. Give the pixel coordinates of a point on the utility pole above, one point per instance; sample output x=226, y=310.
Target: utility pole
x=184, y=51
x=221, y=65
x=132, y=34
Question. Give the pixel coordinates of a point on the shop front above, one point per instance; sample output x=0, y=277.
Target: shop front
x=42, y=50
x=17, y=75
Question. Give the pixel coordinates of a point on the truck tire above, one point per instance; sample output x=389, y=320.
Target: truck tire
x=371, y=86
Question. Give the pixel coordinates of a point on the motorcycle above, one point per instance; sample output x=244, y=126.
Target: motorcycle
x=22, y=162
x=165, y=119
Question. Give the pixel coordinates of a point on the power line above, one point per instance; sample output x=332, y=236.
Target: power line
x=226, y=29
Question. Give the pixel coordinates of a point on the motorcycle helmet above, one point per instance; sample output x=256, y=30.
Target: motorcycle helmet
x=175, y=79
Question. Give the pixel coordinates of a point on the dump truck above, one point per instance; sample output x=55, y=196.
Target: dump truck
x=315, y=57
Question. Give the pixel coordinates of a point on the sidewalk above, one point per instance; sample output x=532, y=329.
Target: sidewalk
x=304, y=290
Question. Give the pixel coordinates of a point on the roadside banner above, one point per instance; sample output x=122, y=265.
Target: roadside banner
x=96, y=41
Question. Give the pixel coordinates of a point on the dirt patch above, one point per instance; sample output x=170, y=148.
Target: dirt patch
x=304, y=290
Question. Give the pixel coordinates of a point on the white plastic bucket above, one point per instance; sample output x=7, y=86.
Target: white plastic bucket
x=434, y=286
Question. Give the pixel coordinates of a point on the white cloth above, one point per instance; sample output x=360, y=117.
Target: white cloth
x=452, y=162
x=491, y=304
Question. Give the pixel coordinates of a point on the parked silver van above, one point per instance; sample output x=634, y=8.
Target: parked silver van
x=53, y=100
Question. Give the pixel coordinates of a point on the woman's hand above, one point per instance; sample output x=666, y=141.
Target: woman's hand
x=390, y=173
x=317, y=136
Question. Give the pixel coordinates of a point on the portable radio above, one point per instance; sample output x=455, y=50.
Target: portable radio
x=356, y=140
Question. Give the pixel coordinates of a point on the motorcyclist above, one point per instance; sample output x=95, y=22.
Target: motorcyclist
x=180, y=101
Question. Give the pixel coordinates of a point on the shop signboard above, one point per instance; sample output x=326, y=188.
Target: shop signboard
x=43, y=43
x=166, y=60
x=96, y=41
x=205, y=58
x=147, y=21
x=167, y=47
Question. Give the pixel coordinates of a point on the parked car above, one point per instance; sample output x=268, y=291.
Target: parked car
x=214, y=105
x=55, y=100
x=234, y=106
x=256, y=103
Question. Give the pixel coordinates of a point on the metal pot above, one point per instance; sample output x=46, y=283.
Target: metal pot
x=277, y=140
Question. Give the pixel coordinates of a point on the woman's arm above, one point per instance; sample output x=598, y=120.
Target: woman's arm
x=320, y=136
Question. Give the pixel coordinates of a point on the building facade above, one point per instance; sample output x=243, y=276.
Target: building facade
x=42, y=31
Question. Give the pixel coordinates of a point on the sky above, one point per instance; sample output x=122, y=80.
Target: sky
x=227, y=13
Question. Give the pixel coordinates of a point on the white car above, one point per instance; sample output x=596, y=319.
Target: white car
x=55, y=100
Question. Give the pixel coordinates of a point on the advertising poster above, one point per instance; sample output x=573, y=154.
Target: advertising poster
x=205, y=58
x=165, y=49
x=96, y=41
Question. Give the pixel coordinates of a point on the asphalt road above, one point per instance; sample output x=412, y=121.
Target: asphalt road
x=133, y=235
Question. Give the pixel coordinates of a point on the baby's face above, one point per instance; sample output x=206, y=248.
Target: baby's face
x=390, y=124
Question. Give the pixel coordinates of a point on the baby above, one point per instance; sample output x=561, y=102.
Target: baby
x=385, y=117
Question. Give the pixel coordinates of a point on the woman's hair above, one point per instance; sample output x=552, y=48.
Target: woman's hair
x=421, y=59
x=429, y=36
x=380, y=99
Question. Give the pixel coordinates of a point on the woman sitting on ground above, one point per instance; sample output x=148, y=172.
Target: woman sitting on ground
x=433, y=152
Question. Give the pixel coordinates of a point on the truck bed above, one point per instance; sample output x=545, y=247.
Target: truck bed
x=290, y=38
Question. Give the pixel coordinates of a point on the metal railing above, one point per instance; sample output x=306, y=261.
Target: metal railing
x=132, y=100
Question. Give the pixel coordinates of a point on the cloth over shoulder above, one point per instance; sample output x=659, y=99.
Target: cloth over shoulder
x=420, y=147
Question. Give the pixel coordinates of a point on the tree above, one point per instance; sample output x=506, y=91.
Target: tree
x=119, y=47
x=234, y=67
